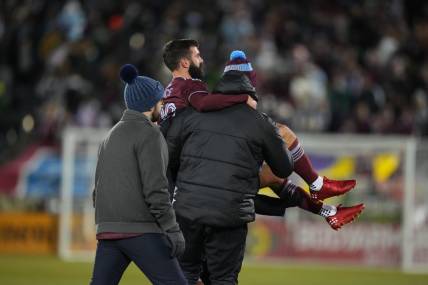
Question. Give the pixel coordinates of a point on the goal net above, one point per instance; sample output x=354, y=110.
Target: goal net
x=392, y=181
x=76, y=220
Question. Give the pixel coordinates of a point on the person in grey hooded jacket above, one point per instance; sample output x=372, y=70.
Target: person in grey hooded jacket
x=133, y=213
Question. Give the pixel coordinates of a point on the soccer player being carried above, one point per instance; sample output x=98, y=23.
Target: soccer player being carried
x=184, y=60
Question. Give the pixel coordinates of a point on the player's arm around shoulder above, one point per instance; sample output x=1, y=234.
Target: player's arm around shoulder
x=204, y=101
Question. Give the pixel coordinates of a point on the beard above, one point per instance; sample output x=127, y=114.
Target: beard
x=196, y=72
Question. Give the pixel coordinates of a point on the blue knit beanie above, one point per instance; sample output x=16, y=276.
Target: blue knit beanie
x=141, y=92
x=238, y=61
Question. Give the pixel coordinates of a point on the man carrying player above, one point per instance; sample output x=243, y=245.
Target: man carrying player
x=183, y=58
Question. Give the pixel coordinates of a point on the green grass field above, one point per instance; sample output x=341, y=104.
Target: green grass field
x=28, y=270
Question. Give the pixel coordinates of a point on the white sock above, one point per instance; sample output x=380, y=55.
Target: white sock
x=328, y=211
x=317, y=184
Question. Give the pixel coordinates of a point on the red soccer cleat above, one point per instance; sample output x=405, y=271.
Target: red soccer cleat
x=331, y=188
x=344, y=215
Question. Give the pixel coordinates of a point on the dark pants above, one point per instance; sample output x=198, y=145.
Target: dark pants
x=222, y=249
x=150, y=252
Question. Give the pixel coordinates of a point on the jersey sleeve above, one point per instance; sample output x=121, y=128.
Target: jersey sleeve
x=200, y=99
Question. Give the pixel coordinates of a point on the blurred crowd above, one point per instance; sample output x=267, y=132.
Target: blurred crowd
x=323, y=66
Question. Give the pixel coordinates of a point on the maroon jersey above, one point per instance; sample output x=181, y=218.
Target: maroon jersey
x=177, y=94
x=182, y=92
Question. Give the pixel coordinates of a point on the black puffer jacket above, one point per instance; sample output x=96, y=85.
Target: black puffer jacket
x=216, y=157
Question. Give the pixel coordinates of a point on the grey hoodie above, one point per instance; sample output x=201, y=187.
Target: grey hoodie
x=131, y=188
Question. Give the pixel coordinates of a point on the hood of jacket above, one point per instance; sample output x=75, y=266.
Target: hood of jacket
x=235, y=82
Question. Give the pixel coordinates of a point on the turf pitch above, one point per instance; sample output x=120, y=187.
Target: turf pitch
x=47, y=270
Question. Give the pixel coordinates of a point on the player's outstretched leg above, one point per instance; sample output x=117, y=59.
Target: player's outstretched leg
x=292, y=195
x=320, y=187
x=332, y=188
x=268, y=179
x=344, y=215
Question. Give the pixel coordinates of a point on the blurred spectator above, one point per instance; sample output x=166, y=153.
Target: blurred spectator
x=308, y=90
x=324, y=66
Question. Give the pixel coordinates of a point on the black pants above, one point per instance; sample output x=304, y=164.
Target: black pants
x=150, y=252
x=222, y=249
